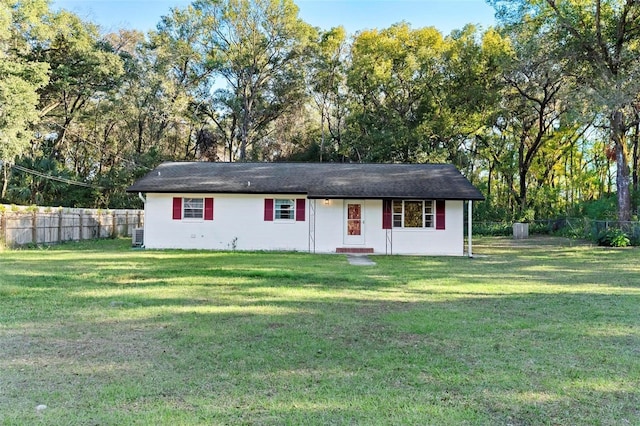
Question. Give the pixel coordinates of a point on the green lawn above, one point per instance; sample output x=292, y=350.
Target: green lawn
x=523, y=334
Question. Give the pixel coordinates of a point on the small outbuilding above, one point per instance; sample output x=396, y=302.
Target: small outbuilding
x=315, y=207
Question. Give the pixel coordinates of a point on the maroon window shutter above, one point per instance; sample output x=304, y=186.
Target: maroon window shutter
x=268, y=209
x=440, y=215
x=386, y=214
x=177, y=208
x=300, y=209
x=208, y=209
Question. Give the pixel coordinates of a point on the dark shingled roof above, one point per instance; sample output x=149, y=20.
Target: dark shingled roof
x=315, y=180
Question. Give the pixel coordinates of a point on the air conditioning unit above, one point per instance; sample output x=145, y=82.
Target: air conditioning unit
x=137, y=237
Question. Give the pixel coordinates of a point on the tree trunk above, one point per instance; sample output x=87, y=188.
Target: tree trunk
x=322, y=131
x=522, y=175
x=622, y=173
x=5, y=182
x=140, y=136
x=636, y=140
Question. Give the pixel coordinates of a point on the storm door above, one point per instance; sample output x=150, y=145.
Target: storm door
x=354, y=222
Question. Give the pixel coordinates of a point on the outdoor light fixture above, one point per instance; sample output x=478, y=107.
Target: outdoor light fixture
x=326, y=201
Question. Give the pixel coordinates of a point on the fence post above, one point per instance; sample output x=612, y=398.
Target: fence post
x=59, y=225
x=34, y=227
x=126, y=223
x=114, y=230
x=80, y=218
x=139, y=225
x=3, y=228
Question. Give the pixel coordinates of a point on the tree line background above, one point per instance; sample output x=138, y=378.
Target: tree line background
x=541, y=112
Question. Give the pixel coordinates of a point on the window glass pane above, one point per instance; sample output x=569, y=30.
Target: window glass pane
x=413, y=214
x=397, y=214
x=428, y=214
x=193, y=208
x=354, y=227
x=428, y=207
x=284, y=209
x=354, y=211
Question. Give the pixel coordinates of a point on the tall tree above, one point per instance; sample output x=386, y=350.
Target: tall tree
x=395, y=79
x=602, y=39
x=256, y=50
x=21, y=24
x=84, y=68
x=535, y=99
x=327, y=82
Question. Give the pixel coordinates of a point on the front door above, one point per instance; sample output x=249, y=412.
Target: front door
x=354, y=222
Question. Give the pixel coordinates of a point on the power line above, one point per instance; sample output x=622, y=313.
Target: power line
x=101, y=149
x=56, y=178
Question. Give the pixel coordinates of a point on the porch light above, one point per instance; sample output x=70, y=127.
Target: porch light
x=326, y=201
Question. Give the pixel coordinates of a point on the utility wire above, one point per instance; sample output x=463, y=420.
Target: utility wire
x=56, y=178
x=101, y=149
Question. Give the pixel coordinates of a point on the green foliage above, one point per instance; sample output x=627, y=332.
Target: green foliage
x=496, y=229
x=20, y=76
x=258, y=50
x=582, y=34
x=522, y=109
x=613, y=237
x=603, y=208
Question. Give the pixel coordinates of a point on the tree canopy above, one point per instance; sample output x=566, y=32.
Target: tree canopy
x=542, y=112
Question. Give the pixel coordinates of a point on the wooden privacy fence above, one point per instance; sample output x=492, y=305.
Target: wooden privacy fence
x=39, y=225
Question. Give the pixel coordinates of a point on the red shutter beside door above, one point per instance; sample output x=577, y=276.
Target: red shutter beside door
x=177, y=208
x=440, y=214
x=208, y=209
x=386, y=214
x=268, y=209
x=300, y=209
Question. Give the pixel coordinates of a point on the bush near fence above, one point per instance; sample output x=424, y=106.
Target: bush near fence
x=583, y=228
x=45, y=225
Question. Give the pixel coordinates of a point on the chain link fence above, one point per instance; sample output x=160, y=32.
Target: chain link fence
x=570, y=227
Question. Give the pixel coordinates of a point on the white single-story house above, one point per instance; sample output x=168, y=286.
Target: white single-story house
x=315, y=207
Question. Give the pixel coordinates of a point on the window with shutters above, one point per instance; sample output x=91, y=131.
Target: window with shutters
x=192, y=208
x=284, y=210
x=413, y=214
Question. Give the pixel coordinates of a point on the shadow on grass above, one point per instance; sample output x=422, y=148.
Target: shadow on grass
x=200, y=337
x=524, y=359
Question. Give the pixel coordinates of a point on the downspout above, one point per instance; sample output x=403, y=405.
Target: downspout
x=142, y=198
x=470, y=228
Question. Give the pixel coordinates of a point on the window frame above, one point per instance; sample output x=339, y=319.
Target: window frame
x=191, y=209
x=278, y=203
x=427, y=209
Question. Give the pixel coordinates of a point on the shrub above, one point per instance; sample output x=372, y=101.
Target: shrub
x=613, y=237
x=492, y=228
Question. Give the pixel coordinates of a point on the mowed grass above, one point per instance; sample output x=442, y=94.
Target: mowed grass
x=523, y=334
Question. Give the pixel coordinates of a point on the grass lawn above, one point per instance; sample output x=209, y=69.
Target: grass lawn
x=523, y=334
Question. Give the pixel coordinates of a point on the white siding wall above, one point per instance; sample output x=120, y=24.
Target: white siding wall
x=237, y=220
x=449, y=242
x=239, y=223
x=330, y=231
